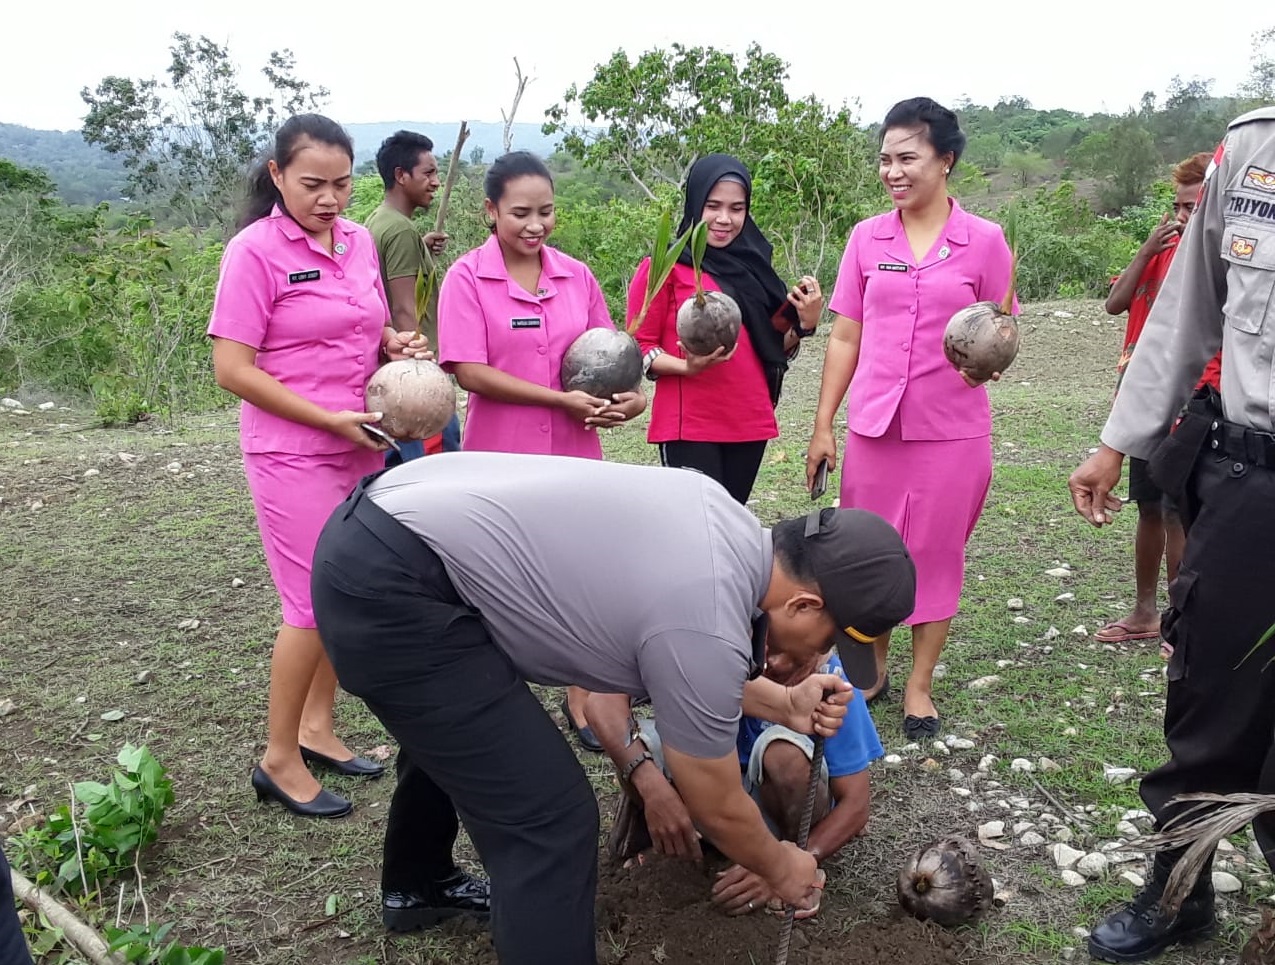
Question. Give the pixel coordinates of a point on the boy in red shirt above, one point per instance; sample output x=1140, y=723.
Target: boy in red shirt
x=1159, y=534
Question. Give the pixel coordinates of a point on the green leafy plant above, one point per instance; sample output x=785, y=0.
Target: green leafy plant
x=100, y=834
x=699, y=245
x=663, y=257
x=147, y=946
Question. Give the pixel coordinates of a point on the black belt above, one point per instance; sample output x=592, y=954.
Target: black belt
x=1242, y=444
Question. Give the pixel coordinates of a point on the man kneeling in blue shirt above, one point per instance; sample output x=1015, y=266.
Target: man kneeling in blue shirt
x=775, y=768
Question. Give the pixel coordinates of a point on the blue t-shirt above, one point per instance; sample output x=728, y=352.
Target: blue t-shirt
x=852, y=748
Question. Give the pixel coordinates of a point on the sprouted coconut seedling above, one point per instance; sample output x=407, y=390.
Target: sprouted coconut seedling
x=710, y=320
x=981, y=341
x=605, y=362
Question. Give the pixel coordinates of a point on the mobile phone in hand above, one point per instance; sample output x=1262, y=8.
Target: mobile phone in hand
x=380, y=435
x=821, y=480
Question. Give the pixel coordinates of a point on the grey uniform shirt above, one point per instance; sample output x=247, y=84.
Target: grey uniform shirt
x=1218, y=292
x=622, y=579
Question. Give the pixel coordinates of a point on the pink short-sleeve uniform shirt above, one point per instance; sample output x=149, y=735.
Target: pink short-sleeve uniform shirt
x=315, y=319
x=904, y=305
x=485, y=316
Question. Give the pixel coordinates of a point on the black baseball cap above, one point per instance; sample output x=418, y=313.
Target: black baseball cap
x=867, y=580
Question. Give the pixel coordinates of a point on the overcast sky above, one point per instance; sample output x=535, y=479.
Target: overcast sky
x=391, y=61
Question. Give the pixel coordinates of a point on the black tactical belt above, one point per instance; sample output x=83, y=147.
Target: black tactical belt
x=1242, y=444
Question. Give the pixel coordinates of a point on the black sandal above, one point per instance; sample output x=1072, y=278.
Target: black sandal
x=920, y=728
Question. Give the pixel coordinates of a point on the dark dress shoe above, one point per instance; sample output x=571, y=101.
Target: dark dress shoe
x=1138, y=931
x=326, y=805
x=354, y=767
x=460, y=894
x=588, y=740
x=920, y=728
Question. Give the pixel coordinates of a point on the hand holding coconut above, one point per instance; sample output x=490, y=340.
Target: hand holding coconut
x=981, y=341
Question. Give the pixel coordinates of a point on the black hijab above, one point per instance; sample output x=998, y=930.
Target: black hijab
x=742, y=268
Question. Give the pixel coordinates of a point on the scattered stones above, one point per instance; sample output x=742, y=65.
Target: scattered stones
x=1092, y=865
x=940, y=748
x=190, y=624
x=985, y=762
x=236, y=583
x=958, y=743
x=992, y=829
x=1070, y=732
x=1064, y=597
x=1031, y=839
x=955, y=774
x=930, y=764
x=1014, y=603
x=1022, y=764
x=127, y=458
x=7, y=707
x=174, y=467
x=1064, y=855
x=1049, y=766
x=1021, y=620
x=1072, y=878
x=940, y=671
x=1225, y=883
x=1058, y=571
x=1063, y=834
x=1000, y=894
x=962, y=791
x=1003, y=664
x=113, y=715
x=37, y=505
x=1132, y=878
x=90, y=473
x=1117, y=775
x=1052, y=633
x=1127, y=828
x=1019, y=802
x=46, y=406
x=10, y=403
x=910, y=748
x=1080, y=631
x=984, y=683
x=1021, y=826
x=144, y=677
x=893, y=760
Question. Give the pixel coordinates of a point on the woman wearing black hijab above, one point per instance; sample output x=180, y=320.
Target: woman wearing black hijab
x=715, y=413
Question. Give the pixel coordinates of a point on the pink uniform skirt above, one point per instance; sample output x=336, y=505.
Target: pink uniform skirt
x=933, y=493
x=294, y=495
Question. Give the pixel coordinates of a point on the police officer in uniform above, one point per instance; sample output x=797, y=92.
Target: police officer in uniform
x=1219, y=721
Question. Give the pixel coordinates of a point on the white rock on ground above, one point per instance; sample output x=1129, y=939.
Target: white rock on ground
x=984, y=683
x=959, y=743
x=893, y=760
x=1031, y=839
x=1127, y=828
x=1058, y=571
x=1225, y=883
x=1092, y=865
x=955, y=774
x=992, y=829
x=1014, y=603
x=1064, y=855
x=1080, y=631
x=1070, y=732
x=1064, y=597
x=89, y=473
x=985, y=762
x=1048, y=765
x=10, y=403
x=46, y=406
x=1117, y=775
x=1073, y=879
x=1225, y=846
x=1052, y=633
x=236, y=583
x=1063, y=834
x=1022, y=620
x=1022, y=764
x=1021, y=826
x=1132, y=878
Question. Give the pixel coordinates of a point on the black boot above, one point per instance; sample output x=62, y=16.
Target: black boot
x=458, y=894
x=1138, y=931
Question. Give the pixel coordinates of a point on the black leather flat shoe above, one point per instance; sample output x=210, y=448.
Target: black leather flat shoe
x=920, y=728
x=326, y=805
x=460, y=894
x=588, y=740
x=354, y=767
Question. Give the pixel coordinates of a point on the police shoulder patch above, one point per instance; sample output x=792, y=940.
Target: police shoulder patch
x=1259, y=178
x=1243, y=248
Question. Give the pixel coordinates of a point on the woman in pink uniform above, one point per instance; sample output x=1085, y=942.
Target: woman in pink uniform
x=299, y=324
x=716, y=412
x=918, y=450
x=507, y=313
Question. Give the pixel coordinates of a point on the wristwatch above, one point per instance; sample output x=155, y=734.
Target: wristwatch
x=804, y=333
x=633, y=765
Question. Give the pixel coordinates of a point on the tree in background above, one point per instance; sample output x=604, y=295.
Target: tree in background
x=1123, y=158
x=188, y=142
x=668, y=108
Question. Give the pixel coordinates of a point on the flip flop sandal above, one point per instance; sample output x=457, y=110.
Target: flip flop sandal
x=1123, y=633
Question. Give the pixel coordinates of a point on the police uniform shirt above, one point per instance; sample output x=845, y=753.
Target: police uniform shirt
x=1218, y=293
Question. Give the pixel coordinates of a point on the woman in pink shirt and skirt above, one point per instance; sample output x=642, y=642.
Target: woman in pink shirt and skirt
x=299, y=324
x=918, y=450
x=507, y=312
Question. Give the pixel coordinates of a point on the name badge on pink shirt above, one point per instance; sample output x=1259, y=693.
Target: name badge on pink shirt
x=299, y=276
x=529, y=322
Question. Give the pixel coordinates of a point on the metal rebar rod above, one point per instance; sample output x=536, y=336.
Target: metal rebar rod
x=803, y=837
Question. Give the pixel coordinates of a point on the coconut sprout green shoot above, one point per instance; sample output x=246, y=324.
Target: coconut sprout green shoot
x=709, y=320
x=981, y=341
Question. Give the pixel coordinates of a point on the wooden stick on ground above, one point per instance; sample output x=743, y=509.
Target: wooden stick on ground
x=85, y=939
x=453, y=172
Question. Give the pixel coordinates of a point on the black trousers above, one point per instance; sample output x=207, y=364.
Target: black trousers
x=471, y=732
x=13, y=946
x=1219, y=721
x=733, y=464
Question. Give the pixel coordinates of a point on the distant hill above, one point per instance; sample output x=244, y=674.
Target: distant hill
x=483, y=135
x=85, y=174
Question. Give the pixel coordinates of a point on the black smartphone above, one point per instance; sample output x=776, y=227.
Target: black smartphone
x=380, y=435
x=821, y=480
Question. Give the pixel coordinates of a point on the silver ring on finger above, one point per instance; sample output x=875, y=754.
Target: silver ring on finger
x=750, y=906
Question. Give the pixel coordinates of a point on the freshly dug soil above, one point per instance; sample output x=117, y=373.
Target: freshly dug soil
x=660, y=912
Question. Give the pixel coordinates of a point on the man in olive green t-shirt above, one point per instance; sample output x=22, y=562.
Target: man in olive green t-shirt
x=409, y=171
